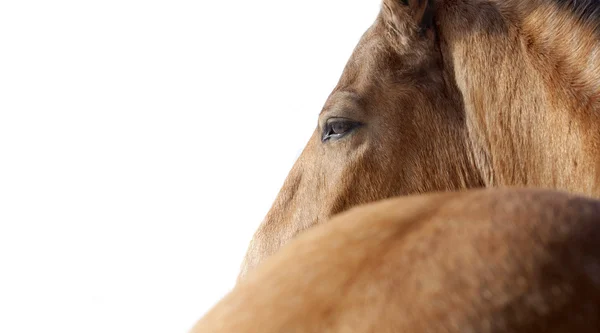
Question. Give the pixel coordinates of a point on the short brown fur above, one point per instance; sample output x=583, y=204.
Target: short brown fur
x=489, y=93
x=451, y=95
x=520, y=261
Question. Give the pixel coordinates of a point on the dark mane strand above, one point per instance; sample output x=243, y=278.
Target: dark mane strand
x=588, y=11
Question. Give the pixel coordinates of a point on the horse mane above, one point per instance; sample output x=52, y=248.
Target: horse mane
x=587, y=11
x=545, y=88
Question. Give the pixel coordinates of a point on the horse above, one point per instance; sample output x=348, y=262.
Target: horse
x=444, y=96
x=450, y=95
x=486, y=260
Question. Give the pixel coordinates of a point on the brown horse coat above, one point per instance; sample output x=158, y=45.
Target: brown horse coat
x=442, y=95
x=451, y=95
x=477, y=261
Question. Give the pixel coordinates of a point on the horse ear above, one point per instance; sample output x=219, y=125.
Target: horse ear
x=399, y=13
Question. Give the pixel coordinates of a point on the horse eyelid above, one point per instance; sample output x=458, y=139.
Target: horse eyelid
x=327, y=128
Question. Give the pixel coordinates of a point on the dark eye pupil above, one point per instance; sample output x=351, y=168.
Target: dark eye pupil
x=340, y=127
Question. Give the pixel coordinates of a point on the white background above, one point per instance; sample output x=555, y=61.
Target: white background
x=141, y=144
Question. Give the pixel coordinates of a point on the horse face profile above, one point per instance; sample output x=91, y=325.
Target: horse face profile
x=441, y=96
x=393, y=125
x=450, y=95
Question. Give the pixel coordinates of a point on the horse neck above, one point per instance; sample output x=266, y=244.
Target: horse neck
x=530, y=80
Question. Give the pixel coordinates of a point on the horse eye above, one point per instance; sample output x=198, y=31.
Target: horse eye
x=336, y=128
x=340, y=127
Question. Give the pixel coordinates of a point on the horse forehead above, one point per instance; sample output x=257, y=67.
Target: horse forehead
x=371, y=46
x=343, y=99
x=366, y=65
